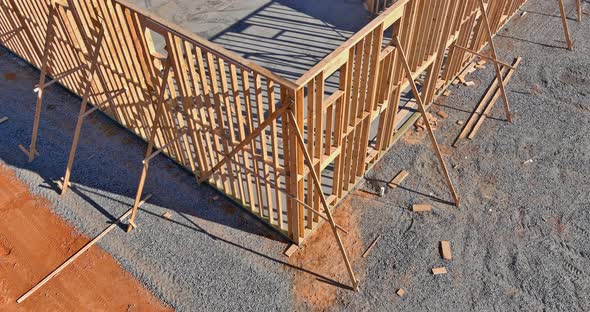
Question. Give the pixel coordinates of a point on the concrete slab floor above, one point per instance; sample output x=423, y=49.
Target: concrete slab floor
x=520, y=240
x=286, y=36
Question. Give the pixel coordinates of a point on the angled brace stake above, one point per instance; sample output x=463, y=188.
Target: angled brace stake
x=32, y=151
x=488, y=29
x=269, y=120
x=422, y=110
x=154, y=131
x=318, y=186
x=566, y=30
x=92, y=70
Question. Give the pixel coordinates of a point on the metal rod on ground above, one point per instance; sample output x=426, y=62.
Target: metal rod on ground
x=78, y=254
x=422, y=110
x=318, y=186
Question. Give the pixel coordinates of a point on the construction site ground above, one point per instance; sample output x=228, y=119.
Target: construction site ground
x=520, y=239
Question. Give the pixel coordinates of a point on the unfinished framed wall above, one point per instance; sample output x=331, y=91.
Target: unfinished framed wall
x=225, y=118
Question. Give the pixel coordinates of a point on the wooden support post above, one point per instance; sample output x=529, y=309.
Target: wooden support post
x=156, y=124
x=77, y=254
x=579, y=9
x=488, y=29
x=318, y=186
x=422, y=111
x=92, y=68
x=568, y=39
x=32, y=152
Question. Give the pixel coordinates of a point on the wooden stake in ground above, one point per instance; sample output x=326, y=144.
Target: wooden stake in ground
x=566, y=30
x=32, y=152
x=318, y=186
x=78, y=254
x=422, y=111
x=495, y=57
x=156, y=123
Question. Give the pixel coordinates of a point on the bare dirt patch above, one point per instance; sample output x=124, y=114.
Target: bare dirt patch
x=33, y=241
x=321, y=254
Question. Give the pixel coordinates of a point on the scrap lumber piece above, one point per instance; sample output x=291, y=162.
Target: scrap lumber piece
x=3, y=119
x=78, y=253
x=401, y=292
x=421, y=208
x=398, y=179
x=167, y=215
x=291, y=249
x=493, y=101
x=439, y=271
x=487, y=102
x=445, y=247
x=366, y=253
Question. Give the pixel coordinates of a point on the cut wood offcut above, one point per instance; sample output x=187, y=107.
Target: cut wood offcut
x=445, y=247
x=421, y=208
x=399, y=178
x=439, y=271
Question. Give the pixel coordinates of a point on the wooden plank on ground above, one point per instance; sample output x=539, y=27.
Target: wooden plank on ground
x=366, y=253
x=439, y=271
x=445, y=247
x=398, y=179
x=421, y=208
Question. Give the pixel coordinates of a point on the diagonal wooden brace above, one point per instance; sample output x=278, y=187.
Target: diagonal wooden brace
x=301, y=144
x=269, y=120
x=422, y=110
x=495, y=56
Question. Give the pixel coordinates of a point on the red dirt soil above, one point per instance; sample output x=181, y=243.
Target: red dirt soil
x=321, y=254
x=34, y=241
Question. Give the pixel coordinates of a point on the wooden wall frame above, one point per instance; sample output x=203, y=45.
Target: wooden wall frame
x=267, y=142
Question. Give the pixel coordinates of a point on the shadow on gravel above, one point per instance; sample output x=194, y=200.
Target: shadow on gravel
x=108, y=160
x=546, y=45
x=375, y=184
x=195, y=227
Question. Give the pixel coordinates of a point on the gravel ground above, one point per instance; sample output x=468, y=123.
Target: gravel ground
x=520, y=240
